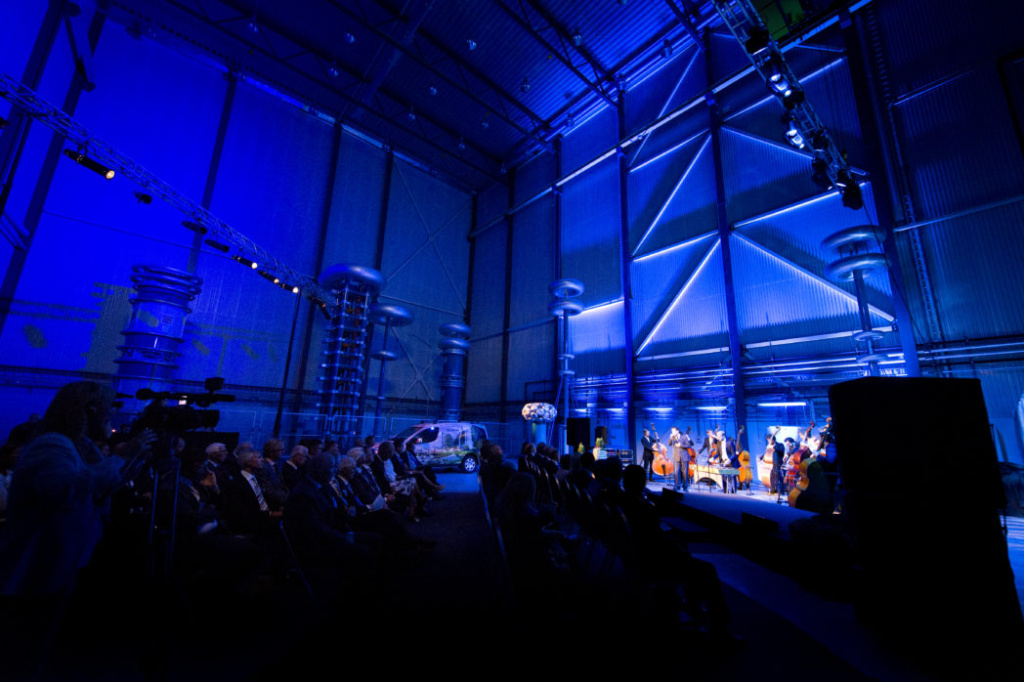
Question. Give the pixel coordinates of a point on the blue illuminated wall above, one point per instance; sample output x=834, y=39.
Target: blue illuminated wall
x=948, y=102
x=306, y=191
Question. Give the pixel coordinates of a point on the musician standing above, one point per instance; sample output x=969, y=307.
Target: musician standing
x=648, y=458
x=681, y=457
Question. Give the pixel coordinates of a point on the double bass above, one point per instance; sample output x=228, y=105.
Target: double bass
x=793, y=463
x=746, y=475
x=769, y=458
x=662, y=465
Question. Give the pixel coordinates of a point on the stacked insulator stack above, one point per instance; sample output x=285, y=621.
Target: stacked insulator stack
x=390, y=316
x=353, y=289
x=857, y=248
x=149, y=356
x=454, y=345
x=564, y=307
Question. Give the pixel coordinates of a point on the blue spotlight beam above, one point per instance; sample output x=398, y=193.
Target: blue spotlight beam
x=52, y=117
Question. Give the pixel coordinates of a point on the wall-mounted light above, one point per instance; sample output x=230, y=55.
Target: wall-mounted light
x=95, y=166
x=245, y=261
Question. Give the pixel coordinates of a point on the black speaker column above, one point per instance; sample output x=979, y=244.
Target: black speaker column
x=924, y=494
x=578, y=431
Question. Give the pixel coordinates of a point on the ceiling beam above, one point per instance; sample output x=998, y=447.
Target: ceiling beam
x=437, y=45
x=527, y=26
x=376, y=111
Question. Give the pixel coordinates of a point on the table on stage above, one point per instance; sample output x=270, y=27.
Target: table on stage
x=712, y=474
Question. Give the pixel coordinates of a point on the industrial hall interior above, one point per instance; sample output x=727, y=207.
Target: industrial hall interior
x=561, y=321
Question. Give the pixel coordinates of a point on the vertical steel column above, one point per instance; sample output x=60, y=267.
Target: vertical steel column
x=325, y=225
x=211, y=172
x=724, y=235
x=867, y=114
x=507, y=315
x=625, y=262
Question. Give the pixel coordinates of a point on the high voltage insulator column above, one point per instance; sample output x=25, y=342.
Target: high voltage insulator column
x=389, y=316
x=856, y=258
x=353, y=288
x=454, y=345
x=149, y=356
x=563, y=308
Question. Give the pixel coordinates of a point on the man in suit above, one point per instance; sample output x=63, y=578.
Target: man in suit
x=647, y=443
x=249, y=511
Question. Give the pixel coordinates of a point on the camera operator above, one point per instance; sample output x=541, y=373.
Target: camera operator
x=59, y=496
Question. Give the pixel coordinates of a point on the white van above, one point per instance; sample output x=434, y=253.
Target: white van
x=446, y=444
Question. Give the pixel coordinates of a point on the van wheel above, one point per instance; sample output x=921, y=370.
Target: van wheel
x=469, y=464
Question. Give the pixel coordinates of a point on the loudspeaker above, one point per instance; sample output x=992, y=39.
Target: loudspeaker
x=923, y=494
x=577, y=430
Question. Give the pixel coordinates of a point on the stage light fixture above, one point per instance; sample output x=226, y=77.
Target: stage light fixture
x=245, y=261
x=143, y=198
x=432, y=90
x=95, y=166
x=793, y=135
x=852, y=196
x=269, y=277
x=757, y=40
x=289, y=287
x=819, y=140
x=793, y=99
x=195, y=227
x=777, y=80
x=217, y=245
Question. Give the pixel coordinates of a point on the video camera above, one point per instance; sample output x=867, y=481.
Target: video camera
x=176, y=412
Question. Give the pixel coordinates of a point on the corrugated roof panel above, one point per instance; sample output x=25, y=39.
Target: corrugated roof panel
x=977, y=268
x=695, y=318
x=778, y=300
x=657, y=278
x=796, y=232
x=596, y=339
x=761, y=175
x=591, y=229
x=681, y=79
x=948, y=148
x=673, y=199
x=531, y=357
x=488, y=302
x=533, y=262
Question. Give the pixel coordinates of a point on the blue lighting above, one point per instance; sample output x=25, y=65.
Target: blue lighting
x=678, y=297
x=672, y=194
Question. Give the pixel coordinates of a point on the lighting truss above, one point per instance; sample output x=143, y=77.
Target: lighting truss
x=40, y=110
x=749, y=29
